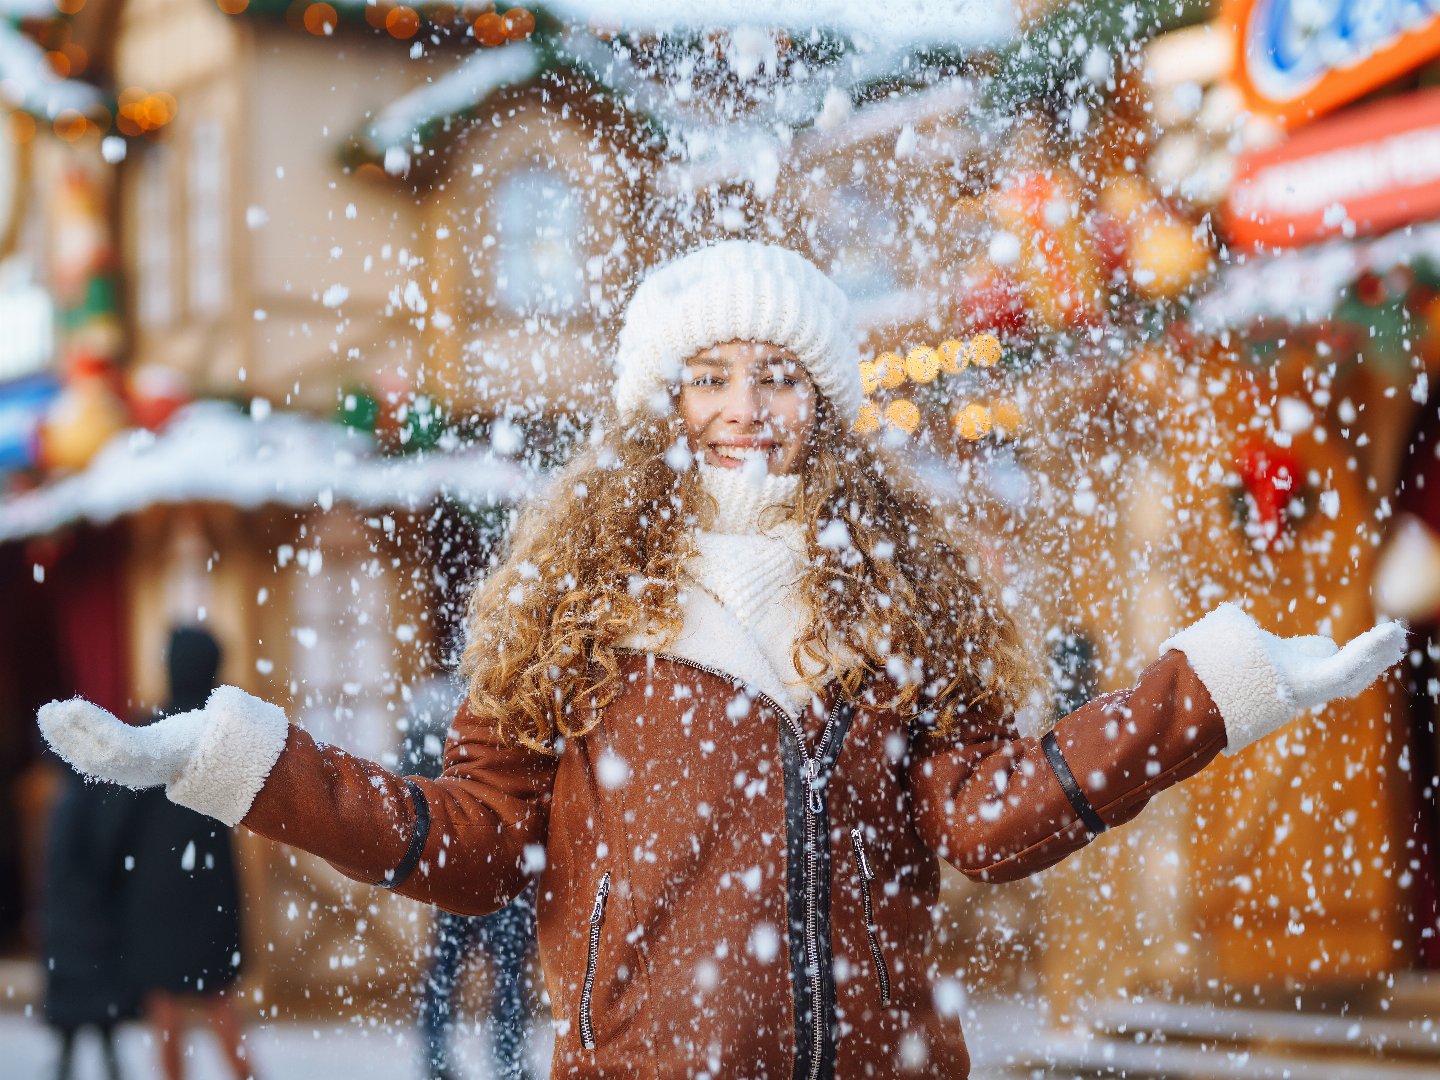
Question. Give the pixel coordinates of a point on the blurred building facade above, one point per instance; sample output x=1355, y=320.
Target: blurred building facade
x=208, y=195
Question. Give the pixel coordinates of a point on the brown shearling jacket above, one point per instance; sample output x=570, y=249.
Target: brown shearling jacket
x=728, y=891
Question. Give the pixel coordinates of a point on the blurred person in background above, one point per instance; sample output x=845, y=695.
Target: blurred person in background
x=505, y=935
x=86, y=982
x=181, y=928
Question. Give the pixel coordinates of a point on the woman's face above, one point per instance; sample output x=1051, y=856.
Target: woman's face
x=744, y=400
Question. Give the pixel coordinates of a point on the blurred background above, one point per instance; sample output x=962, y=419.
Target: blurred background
x=299, y=300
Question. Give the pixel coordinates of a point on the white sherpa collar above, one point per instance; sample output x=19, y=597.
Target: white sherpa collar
x=714, y=638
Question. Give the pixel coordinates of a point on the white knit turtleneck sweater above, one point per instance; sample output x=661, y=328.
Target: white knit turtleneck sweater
x=752, y=570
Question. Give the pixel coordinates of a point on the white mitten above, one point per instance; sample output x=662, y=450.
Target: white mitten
x=214, y=760
x=1260, y=681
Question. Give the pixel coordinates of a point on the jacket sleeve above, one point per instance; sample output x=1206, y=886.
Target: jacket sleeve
x=467, y=841
x=1000, y=807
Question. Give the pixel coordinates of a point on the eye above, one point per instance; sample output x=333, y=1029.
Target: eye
x=706, y=379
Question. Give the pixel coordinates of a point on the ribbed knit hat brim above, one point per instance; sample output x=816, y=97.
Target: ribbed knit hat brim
x=736, y=290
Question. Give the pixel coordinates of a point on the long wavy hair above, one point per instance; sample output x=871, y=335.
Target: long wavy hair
x=600, y=555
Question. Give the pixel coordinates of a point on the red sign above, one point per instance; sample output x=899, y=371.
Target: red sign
x=1367, y=171
x=1297, y=59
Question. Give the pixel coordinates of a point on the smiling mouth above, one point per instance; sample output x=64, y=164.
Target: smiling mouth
x=728, y=453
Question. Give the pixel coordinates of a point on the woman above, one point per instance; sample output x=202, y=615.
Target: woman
x=734, y=691
x=86, y=983
x=182, y=893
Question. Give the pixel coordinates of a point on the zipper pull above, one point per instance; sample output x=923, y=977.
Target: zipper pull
x=598, y=911
x=857, y=841
x=814, y=781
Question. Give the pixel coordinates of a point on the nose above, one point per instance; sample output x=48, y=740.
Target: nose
x=742, y=404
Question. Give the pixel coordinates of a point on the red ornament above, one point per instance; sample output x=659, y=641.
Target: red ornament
x=1370, y=289
x=991, y=301
x=1112, y=242
x=1271, y=478
x=154, y=393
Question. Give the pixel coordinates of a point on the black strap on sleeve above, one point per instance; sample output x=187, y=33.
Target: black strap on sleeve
x=1081, y=805
x=421, y=833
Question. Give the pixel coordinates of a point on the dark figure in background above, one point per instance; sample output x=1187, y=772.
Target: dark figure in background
x=505, y=936
x=182, y=911
x=86, y=984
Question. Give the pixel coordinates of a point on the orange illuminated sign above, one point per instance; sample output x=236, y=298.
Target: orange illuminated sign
x=1297, y=59
x=1371, y=169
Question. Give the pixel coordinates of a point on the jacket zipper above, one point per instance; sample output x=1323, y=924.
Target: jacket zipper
x=882, y=973
x=813, y=806
x=592, y=959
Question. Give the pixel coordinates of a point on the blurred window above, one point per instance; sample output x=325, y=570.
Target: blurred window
x=346, y=649
x=28, y=316
x=154, y=238
x=538, y=267
x=859, y=232
x=206, y=230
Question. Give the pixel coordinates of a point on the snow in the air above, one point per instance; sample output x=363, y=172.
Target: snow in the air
x=348, y=300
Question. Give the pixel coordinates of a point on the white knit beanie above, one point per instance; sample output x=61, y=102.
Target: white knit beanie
x=736, y=290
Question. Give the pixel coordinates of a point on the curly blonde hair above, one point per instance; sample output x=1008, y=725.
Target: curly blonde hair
x=600, y=555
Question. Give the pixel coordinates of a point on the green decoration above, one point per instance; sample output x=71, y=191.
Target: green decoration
x=359, y=409
x=425, y=423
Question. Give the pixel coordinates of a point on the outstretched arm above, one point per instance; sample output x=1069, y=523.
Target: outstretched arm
x=1001, y=807
x=467, y=841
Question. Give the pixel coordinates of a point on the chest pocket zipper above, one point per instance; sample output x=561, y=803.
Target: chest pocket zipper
x=592, y=958
x=862, y=863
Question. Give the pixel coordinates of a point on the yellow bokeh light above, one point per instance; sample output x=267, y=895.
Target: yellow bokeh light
x=903, y=414
x=868, y=420
x=376, y=13
x=984, y=350
x=490, y=29
x=519, y=24
x=402, y=22
x=922, y=364
x=1006, y=415
x=952, y=356
x=321, y=19
x=891, y=368
x=71, y=125
x=973, y=422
